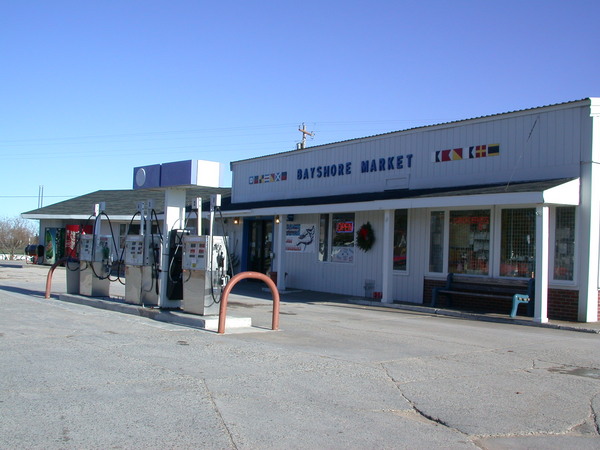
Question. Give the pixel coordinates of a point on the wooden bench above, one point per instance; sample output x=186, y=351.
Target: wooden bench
x=518, y=290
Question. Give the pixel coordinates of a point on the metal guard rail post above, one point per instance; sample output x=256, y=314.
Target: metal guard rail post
x=50, y=273
x=233, y=282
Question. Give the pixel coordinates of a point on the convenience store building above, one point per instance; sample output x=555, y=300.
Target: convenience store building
x=512, y=195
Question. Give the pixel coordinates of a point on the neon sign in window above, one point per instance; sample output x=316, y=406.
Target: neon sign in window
x=344, y=227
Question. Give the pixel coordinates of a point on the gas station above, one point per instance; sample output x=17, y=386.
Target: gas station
x=169, y=260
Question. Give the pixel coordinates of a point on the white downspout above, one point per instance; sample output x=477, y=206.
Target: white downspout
x=387, y=289
x=542, y=237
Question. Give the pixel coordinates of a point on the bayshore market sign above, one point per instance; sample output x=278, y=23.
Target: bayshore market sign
x=390, y=163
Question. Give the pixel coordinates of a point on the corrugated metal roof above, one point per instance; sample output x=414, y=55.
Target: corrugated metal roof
x=415, y=128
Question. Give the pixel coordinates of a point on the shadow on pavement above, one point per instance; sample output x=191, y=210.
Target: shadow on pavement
x=20, y=290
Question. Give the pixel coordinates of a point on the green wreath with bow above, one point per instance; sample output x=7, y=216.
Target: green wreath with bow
x=365, y=237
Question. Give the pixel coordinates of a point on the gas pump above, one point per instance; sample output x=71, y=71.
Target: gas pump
x=134, y=260
x=205, y=273
x=150, y=269
x=95, y=258
x=204, y=266
x=142, y=251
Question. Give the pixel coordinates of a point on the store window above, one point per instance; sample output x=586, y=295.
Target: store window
x=436, y=241
x=564, y=243
x=469, y=242
x=336, y=243
x=400, y=239
x=517, y=243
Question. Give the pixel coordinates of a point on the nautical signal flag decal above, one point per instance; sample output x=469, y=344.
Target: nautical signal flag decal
x=268, y=178
x=476, y=151
x=493, y=150
x=449, y=155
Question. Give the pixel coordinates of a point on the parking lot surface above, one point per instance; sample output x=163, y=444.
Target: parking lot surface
x=336, y=375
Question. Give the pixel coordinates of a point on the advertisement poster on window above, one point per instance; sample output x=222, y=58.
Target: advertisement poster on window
x=342, y=254
x=300, y=237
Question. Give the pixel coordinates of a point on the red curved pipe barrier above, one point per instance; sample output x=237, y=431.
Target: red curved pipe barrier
x=49, y=276
x=233, y=282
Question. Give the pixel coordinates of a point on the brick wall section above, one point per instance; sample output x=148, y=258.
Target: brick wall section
x=562, y=304
x=428, y=286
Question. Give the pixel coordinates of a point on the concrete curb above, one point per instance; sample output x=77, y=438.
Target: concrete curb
x=474, y=316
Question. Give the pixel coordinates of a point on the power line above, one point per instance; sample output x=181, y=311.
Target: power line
x=145, y=134
x=36, y=196
x=226, y=130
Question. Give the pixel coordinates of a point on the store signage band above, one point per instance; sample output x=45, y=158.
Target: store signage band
x=398, y=162
x=382, y=164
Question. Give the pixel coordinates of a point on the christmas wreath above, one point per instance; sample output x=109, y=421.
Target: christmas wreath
x=365, y=237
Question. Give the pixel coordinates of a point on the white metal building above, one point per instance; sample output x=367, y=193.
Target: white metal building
x=511, y=195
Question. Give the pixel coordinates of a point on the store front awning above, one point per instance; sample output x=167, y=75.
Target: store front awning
x=548, y=192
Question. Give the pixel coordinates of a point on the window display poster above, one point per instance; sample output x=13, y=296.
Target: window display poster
x=342, y=254
x=300, y=237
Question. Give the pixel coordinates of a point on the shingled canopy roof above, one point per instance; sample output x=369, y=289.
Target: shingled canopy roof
x=119, y=203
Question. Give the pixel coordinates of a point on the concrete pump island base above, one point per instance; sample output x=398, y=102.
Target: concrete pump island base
x=178, y=317
x=219, y=323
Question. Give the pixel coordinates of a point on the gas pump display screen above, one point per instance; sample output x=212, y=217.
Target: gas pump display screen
x=344, y=227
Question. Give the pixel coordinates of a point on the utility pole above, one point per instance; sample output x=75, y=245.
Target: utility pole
x=40, y=196
x=302, y=145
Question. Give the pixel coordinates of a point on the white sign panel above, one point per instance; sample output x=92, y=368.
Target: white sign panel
x=300, y=237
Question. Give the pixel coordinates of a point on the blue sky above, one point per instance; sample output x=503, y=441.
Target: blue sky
x=90, y=90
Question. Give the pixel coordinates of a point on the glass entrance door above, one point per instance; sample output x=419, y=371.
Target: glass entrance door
x=260, y=245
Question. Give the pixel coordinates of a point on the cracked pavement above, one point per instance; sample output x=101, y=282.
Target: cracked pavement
x=335, y=376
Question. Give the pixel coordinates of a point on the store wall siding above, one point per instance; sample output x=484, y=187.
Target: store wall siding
x=304, y=271
x=408, y=286
x=541, y=144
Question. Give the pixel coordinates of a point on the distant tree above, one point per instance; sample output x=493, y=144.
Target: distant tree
x=15, y=234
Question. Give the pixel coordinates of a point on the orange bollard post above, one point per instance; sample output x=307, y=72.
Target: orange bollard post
x=49, y=276
x=233, y=282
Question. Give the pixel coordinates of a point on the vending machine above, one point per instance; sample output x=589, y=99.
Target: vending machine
x=204, y=273
x=72, y=234
x=54, y=245
x=95, y=256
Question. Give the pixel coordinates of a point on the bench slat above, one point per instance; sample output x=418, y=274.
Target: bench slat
x=474, y=294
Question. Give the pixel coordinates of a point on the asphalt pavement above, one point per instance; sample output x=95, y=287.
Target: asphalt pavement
x=91, y=373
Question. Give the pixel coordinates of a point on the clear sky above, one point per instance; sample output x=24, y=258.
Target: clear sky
x=91, y=89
